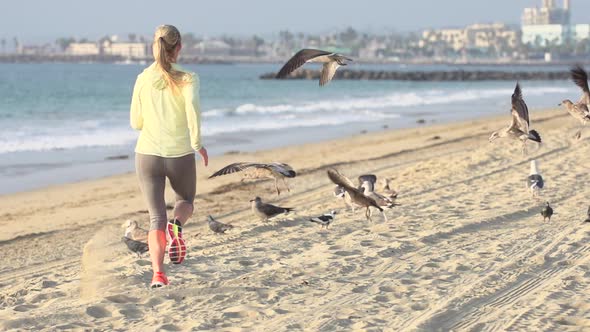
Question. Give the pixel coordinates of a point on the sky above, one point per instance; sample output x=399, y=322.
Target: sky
x=37, y=21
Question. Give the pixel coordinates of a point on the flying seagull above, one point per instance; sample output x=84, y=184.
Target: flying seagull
x=579, y=110
x=274, y=171
x=218, y=227
x=535, y=180
x=325, y=219
x=547, y=212
x=356, y=196
x=519, y=126
x=330, y=60
x=135, y=246
x=267, y=211
x=588, y=216
x=134, y=232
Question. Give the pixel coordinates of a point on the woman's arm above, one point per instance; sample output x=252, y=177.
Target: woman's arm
x=136, y=118
x=193, y=112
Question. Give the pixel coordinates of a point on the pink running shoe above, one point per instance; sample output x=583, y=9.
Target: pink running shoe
x=176, y=247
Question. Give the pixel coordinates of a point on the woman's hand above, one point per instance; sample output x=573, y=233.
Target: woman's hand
x=203, y=152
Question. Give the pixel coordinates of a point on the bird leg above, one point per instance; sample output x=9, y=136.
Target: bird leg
x=384, y=216
x=368, y=214
x=524, y=148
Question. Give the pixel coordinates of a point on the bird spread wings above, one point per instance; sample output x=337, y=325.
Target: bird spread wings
x=580, y=77
x=280, y=168
x=367, y=181
x=520, y=112
x=298, y=60
x=328, y=71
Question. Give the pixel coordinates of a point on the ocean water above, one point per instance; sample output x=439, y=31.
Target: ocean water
x=61, y=122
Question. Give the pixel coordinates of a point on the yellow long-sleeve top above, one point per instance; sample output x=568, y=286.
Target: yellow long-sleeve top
x=170, y=123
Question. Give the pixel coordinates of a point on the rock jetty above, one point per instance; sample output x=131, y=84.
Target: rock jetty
x=454, y=75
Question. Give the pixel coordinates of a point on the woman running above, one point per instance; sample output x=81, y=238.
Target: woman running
x=165, y=108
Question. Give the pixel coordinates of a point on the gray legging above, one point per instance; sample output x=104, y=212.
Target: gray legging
x=152, y=172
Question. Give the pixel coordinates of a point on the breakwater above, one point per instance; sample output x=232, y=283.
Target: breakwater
x=452, y=75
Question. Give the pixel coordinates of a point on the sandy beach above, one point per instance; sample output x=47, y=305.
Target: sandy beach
x=466, y=250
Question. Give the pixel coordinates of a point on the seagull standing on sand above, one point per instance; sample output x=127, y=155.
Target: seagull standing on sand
x=218, y=227
x=579, y=110
x=519, y=127
x=330, y=60
x=547, y=212
x=387, y=189
x=134, y=232
x=535, y=180
x=356, y=196
x=267, y=211
x=367, y=187
x=325, y=219
x=135, y=246
x=274, y=171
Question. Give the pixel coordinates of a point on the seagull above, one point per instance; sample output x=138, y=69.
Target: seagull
x=267, y=211
x=367, y=187
x=218, y=227
x=325, y=219
x=579, y=110
x=330, y=60
x=135, y=246
x=535, y=180
x=274, y=171
x=356, y=196
x=588, y=218
x=547, y=212
x=519, y=127
x=134, y=232
x=340, y=193
x=388, y=191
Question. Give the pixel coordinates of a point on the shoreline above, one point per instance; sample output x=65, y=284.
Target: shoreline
x=234, y=146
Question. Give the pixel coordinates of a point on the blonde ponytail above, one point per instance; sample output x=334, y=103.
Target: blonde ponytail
x=166, y=40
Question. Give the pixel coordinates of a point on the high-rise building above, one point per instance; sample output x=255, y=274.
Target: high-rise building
x=547, y=25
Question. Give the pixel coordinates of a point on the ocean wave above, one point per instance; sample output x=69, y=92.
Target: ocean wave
x=394, y=100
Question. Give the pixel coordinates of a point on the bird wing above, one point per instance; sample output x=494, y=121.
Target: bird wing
x=580, y=78
x=281, y=168
x=298, y=60
x=370, y=178
x=354, y=193
x=519, y=109
x=233, y=168
x=135, y=246
x=328, y=71
x=271, y=210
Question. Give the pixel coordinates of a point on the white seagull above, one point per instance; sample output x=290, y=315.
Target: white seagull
x=325, y=219
x=330, y=60
x=579, y=110
x=535, y=180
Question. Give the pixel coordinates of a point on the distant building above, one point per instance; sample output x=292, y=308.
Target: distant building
x=547, y=25
x=126, y=50
x=83, y=49
x=476, y=36
x=210, y=48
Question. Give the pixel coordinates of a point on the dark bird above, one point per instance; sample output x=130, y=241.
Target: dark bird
x=588, y=215
x=267, y=211
x=356, y=196
x=274, y=171
x=519, y=126
x=547, y=212
x=579, y=110
x=330, y=60
x=325, y=219
x=135, y=246
x=535, y=181
x=218, y=227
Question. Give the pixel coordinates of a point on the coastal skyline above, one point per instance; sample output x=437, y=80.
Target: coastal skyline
x=61, y=18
